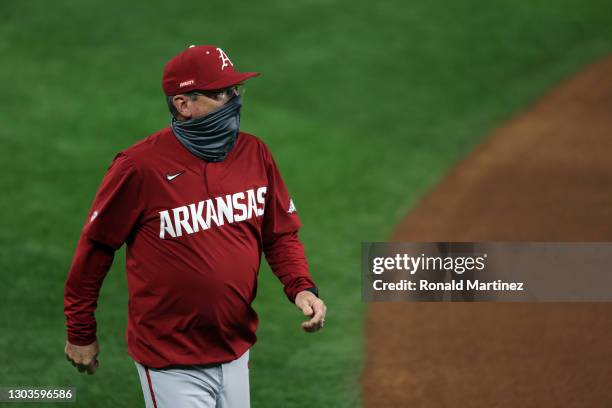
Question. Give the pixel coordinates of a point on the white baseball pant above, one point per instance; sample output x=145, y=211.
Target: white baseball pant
x=199, y=386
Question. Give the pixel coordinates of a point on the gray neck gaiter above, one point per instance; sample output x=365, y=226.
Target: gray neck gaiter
x=211, y=137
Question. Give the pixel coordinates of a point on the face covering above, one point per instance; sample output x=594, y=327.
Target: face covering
x=211, y=137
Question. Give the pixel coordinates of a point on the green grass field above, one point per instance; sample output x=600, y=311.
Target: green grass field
x=364, y=104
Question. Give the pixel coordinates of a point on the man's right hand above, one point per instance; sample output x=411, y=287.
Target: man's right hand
x=84, y=358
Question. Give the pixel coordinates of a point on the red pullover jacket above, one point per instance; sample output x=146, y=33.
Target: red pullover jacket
x=195, y=232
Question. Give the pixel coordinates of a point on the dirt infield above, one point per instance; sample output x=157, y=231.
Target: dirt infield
x=545, y=176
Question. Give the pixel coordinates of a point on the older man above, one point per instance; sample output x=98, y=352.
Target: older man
x=196, y=204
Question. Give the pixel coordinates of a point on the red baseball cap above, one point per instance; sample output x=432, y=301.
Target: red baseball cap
x=202, y=67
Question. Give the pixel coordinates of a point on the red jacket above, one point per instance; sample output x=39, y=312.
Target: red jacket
x=195, y=232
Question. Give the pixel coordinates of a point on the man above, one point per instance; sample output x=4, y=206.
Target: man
x=196, y=204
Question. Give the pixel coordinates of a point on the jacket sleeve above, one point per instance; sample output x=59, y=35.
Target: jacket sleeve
x=282, y=247
x=113, y=216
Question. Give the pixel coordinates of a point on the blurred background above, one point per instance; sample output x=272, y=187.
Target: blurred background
x=364, y=105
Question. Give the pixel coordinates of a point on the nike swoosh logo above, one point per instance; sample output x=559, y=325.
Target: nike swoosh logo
x=173, y=176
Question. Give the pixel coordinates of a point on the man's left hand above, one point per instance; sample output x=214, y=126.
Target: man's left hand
x=312, y=307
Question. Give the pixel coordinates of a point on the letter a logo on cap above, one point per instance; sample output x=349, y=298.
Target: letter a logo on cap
x=225, y=61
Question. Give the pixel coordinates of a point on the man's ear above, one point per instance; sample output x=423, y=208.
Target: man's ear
x=181, y=105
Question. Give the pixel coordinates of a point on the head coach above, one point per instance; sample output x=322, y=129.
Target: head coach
x=196, y=204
